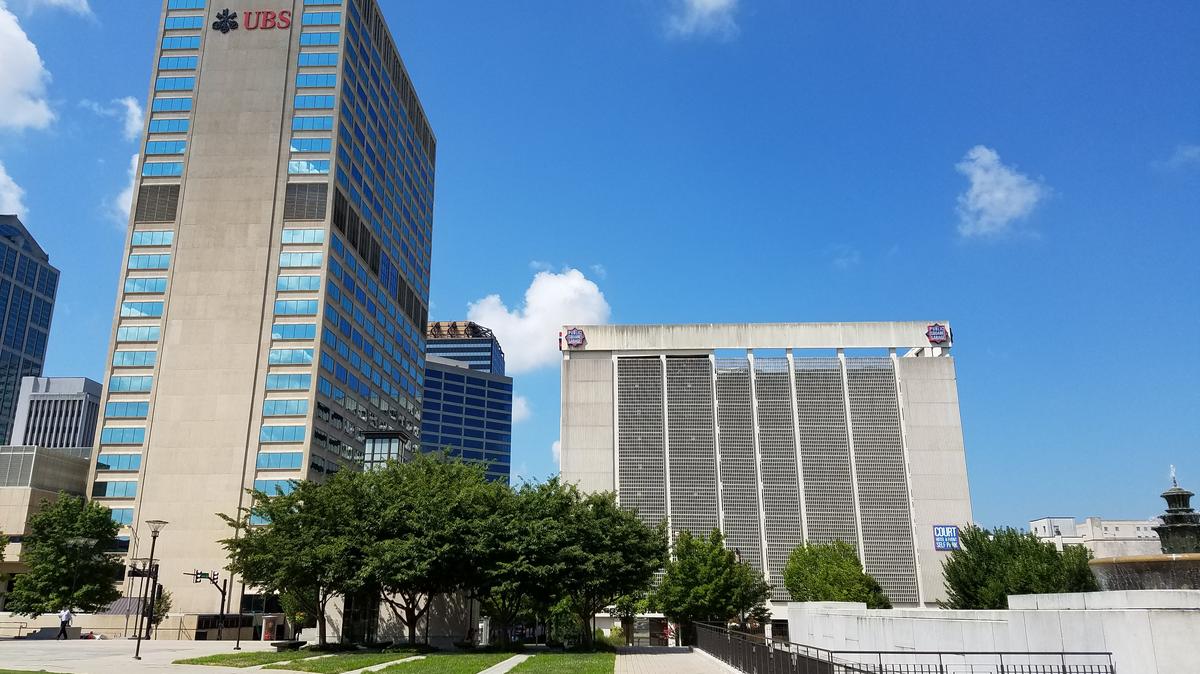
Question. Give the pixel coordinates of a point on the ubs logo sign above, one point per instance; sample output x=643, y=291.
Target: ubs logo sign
x=227, y=20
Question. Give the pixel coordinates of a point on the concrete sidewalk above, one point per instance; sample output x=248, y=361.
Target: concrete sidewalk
x=666, y=660
x=88, y=656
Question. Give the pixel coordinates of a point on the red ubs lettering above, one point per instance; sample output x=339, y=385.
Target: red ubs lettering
x=267, y=20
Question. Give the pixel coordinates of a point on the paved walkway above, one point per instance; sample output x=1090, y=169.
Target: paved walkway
x=114, y=656
x=666, y=660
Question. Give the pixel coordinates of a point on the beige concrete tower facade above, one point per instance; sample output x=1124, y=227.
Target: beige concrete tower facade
x=270, y=315
x=778, y=434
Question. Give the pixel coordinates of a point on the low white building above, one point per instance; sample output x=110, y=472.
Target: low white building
x=1105, y=538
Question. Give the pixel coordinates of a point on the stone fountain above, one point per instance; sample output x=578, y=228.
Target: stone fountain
x=1178, y=568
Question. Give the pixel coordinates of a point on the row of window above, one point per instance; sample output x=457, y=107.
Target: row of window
x=190, y=4
x=295, y=307
x=455, y=377
x=275, y=487
x=316, y=235
x=123, y=516
x=153, y=284
x=478, y=423
x=166, y=147
x=322, y=2
x=311, y=144
x=181, y=42
x=127, y=410
x=308, y=167
x=157, y=261
x=169, y=125
x=319, y=39
x=184, y=22
x=281, y=434
x=119, y=462
x=321, y=19
x=290, y=331
x=290, y=357
x=280, y=460
x=316, y=80
x=314, y=102
x=324, y=123
x=286, y=382
x=177, y=63
x=171, y=169
x=289, y=260
x=138, y=333
x=160, y=237
x=175, y=104
x=143, y=309
x=129, y=384
x=293, y=283
x=174, y=83
x=122, y=436
x=114, y=490
x=285, y=408
x=134, y=358
x=317, y=59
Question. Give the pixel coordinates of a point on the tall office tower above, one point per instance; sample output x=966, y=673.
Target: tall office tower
x=465, y=341
x=270, y=324
x=777, y=433
x=469, y=413
x=28, y=285
x=57, y=412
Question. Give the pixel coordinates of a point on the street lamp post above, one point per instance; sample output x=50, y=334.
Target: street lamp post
x=155, y=527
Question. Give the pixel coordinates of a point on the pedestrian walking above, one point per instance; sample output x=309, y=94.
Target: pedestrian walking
x=64, y=621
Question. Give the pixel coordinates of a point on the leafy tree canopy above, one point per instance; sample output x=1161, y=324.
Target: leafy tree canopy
x=991, y=565
x=705, y=582
x=831, y=572
x=66, y=559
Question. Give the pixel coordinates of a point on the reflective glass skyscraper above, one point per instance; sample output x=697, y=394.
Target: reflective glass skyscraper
x=270, y=319
x=28, y=285
x=467, y=342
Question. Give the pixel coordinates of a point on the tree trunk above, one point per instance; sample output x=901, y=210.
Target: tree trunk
x=410, y=621
x=323, y=601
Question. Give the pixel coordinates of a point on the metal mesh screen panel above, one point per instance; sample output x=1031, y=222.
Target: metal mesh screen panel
x=882, y=489
x=825, y=451
x=739, y=473
x=780, y=481
x=691, y=445
x=157, y=203
x=305, y=201
x=641, y=466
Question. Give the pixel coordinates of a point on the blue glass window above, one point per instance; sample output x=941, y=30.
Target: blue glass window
x=118, y=462
x=181, y=42
x=127, y=410
x=157, y=284
x=314, y=102
x=322, y=2
x=114, y=489
x=122, y=516
x=280, y=460
x=172, y=104
x=275, y=487
x=174, y=83
x=318, y=39
x=315, y=80
x=303, y=236
x=321, y=19
x=310, y=283
x=290, y=357
x=166, y=147
x=284, y=408
x=140, y=333
x=177, y=63
x=281, y=434
x=134, y=358
x=122, y=436
x=121, y=384
x=185, y=4
x=320, y=59
x=160, y=261
x=301, y=167
x=161, y=237
x=141, y=309
x=184, y=22
x=299, y=259
x=162, y=169
x=285, y=331
x=311, y=145
x=169, y=125
x=312, y=124
x=295, y=307
x=289, y=382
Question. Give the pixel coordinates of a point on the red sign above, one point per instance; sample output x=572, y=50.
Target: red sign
x=938, y=334
x=266, y=20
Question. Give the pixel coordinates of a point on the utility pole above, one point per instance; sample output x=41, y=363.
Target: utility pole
x=222, y=587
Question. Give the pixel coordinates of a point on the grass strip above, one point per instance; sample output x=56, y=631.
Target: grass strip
x=567, y=663
x=342, y=662
x=450, y=663
x=245, y=658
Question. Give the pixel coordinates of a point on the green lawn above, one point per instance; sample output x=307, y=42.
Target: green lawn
x=23, y=671
x=245, y=658
x=568, y=663
x=450, y=663
x=342, y=662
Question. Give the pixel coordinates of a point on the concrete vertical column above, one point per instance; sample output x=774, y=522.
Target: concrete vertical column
x=762, y=511
x=712, y=368
x=907, y=472
x=841, y=354
x=796, y=442
x=662, y=360
x=616, y=431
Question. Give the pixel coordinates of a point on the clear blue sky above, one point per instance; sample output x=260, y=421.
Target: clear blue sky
x=1029, y=171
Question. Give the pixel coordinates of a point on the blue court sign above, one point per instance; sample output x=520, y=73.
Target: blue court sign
x=945, y=537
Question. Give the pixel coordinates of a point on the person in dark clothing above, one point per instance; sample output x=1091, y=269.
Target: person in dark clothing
x=64, y=621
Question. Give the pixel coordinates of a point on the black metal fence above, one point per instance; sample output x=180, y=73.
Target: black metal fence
x=754, y=655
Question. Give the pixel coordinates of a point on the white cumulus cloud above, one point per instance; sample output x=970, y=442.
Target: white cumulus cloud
x=23, y=78
x=80, y=7
x=127, y=109
x=997, y=197
x=520, y=409
x=703, y=18
x=11, y=195
x=529, y=333
x=118, y=208
x=1184, y=155
x=556, y=450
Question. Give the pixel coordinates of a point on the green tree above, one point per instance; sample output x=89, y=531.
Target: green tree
x=307, y=544
x=831, y=572
x=608, y=552
x=993, y=564
x=65, y=555
x=704, y=582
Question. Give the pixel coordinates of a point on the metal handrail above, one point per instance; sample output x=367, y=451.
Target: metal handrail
x=21, y=626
